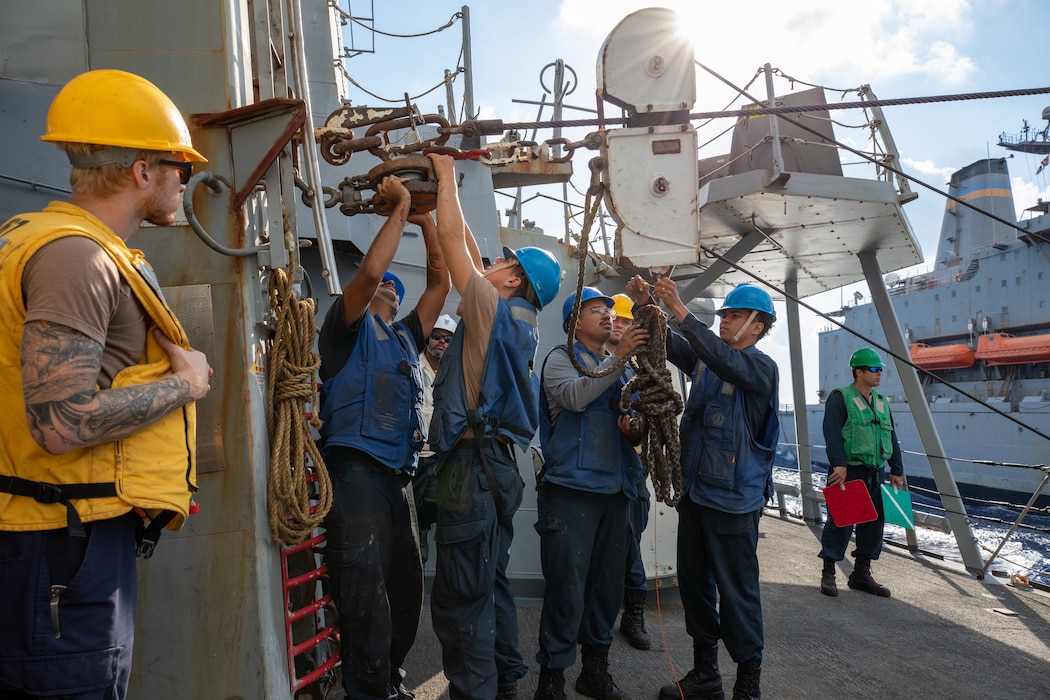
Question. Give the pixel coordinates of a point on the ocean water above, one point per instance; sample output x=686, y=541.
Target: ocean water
x=1026, y=552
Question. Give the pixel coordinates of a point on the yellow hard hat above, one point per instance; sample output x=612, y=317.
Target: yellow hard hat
x=115, y=108
x=623, y=305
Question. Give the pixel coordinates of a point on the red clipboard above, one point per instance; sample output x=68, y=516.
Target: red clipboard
x=850, y=503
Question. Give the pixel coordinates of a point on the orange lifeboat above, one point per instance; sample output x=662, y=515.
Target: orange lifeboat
x=942, y=356
x=1006, y=349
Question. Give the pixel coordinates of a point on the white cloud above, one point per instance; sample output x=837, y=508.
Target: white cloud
x=936, y=173
x=1026, y=194
x=812, y=40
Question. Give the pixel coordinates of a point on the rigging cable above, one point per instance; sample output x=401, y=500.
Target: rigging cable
x=760, y=111
x=777, y=110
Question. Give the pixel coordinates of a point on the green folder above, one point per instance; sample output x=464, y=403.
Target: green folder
x=897, y=505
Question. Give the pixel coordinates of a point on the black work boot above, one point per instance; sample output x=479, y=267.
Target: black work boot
x=632, y=622
x=507, y=690
x=861, y=579
x=827, y=579
x=551, y=685
x=702, y=683
x=748, y=675
x=595, y=681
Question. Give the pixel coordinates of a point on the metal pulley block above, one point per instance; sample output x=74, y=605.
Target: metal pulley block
x=651, y=192
x=646, y=65
x=419, y=181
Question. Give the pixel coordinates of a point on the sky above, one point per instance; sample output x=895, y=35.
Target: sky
x=901, y=49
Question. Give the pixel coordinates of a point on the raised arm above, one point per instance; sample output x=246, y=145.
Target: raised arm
x=472, y=248
x=451, y=228
x=438, y=282
x=359, y=291
x=66, y=411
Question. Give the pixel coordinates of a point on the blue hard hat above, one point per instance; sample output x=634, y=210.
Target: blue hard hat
x=748, y=296
x=541, y=268
x=399, y=287
x=588, y=294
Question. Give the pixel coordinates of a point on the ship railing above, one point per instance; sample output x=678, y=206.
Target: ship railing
x=936, y=275
x=933, y=520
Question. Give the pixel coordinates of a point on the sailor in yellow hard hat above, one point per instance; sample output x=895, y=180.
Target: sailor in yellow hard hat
x=632, y=622
x=97, y=426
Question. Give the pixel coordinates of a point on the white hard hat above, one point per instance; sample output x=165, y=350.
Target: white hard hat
x=445, y=323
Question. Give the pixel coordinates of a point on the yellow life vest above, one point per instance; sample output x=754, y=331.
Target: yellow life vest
x=153, y=470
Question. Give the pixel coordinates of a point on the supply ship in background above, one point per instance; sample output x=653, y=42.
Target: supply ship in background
x=978, y=322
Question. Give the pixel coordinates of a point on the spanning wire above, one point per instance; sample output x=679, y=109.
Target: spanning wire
x=346, y=15
x=450, y=79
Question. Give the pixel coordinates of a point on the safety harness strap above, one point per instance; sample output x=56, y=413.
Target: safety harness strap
x=46, y=493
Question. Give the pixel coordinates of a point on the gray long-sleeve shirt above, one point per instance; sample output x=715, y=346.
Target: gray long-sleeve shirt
x=567, y=389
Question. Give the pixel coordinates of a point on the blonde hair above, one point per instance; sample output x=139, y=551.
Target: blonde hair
x=105, y=180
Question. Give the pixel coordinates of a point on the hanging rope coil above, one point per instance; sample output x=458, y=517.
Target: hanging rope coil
x=293, y=368
x=656, y=399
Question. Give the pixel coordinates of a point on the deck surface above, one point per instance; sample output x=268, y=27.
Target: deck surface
x=943, y=634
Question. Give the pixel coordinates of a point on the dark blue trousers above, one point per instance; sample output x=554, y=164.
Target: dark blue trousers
x=637, y=520
x=718, y=569
x=472, y=604
x=834, y=540
x=582, y=541
x=91, y=660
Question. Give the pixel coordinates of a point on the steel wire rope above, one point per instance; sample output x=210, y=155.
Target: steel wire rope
x=982, y=501
x=832, y=106
x=983, y=462
x=873, y=343
x=657, y=400
x=865, y=105
x=292, y=384
x=884, y=349
x=1038, y=510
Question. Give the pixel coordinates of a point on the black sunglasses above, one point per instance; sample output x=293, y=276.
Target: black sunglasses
x=185, y=169
x=439, y=337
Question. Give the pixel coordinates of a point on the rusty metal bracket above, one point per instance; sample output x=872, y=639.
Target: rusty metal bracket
x=258, y=133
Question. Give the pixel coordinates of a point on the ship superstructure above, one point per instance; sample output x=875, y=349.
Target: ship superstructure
x=978, y=319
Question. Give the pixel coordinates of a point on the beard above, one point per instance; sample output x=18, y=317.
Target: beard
x=436, y=353
x=159, y=209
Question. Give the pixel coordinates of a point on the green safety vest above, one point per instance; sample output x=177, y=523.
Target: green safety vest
x=867, y=434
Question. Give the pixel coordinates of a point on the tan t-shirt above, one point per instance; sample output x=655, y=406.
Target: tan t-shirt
x=74, y=283
x=478, y=311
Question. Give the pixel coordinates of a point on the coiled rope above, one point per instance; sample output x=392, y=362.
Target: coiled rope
x=660, y=404
x=292, y=384
x=657, y=400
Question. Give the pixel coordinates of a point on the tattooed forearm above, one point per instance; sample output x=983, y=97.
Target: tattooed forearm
x=65, y=411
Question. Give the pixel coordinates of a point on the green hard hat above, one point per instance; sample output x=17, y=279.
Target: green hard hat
x=865, y=357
